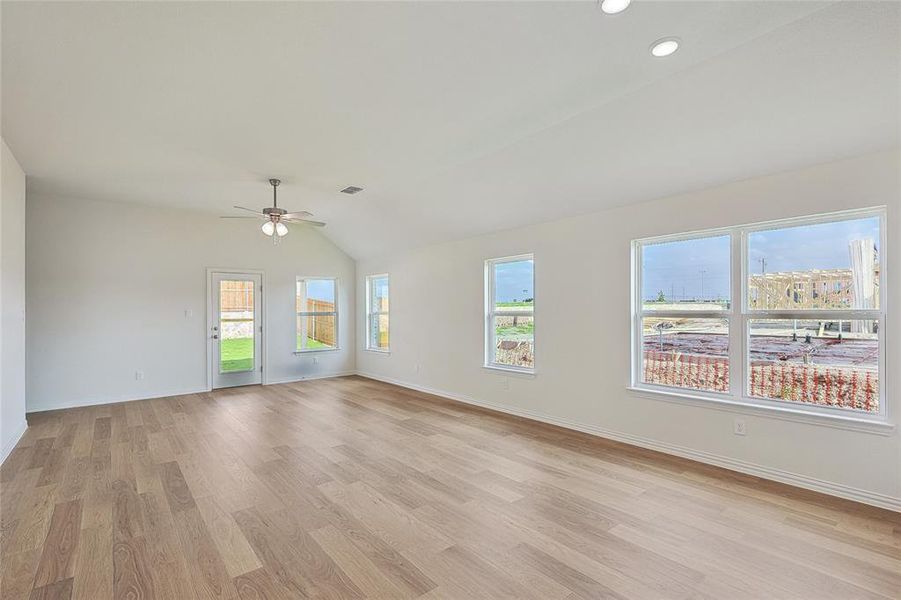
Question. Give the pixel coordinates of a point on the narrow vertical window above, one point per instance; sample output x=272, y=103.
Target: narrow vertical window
x=510, y=313
x=317, y=314
x=377, y=291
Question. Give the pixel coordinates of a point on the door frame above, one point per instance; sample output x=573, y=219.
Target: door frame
x=210, y=315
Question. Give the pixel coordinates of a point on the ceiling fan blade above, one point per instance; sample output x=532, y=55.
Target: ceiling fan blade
x=234, y=217
x=305, y=222
x=256, y=212
x=299, y=213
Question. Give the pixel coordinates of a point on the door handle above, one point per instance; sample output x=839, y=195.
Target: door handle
x=215, y=336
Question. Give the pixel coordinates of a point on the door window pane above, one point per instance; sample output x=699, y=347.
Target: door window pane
x=831, y=265
x=236, y=343
x=831, y=363
x=692, y=274
x=686, y=353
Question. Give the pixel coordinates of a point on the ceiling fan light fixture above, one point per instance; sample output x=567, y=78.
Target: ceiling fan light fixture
x=276, y=219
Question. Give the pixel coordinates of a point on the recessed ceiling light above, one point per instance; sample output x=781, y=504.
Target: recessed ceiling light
x=611, y=7
x=351, y=189
x=664, y=46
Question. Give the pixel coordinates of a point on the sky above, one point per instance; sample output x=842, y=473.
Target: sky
x=321, y=289
x=680, y=268
x=676, y=267
x=514, y=281
x=380, y=287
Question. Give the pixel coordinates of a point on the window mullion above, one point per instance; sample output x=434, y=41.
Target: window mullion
x=738, y=341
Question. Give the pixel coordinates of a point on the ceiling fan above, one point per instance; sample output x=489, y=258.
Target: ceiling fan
x=275, y=219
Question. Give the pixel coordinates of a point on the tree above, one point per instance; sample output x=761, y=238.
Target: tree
x=661, y=297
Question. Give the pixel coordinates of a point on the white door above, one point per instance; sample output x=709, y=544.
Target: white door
x=236, y=329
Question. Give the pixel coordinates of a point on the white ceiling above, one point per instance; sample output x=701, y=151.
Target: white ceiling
x=457, y=118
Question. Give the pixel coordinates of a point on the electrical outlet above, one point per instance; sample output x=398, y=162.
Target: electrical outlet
x=315, y=360
x=418, y=367
x=189, y=313
x=506, y=384
x=139, y=375
x=739, y=427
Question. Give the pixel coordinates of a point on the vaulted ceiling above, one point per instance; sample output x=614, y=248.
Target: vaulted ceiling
x=456, y=118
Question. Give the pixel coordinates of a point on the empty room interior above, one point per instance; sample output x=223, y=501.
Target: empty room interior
x=450, y=300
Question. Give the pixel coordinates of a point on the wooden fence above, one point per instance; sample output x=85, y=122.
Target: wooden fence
x=857, y=389
x=319, y=327
x=235, y=296
x=677, y=369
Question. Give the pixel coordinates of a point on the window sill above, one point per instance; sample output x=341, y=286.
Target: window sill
x=374, y=351
x=749, y=407
x=313, y=350
x=511, y=370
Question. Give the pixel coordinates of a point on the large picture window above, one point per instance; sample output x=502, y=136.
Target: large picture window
x=799, y=326
x=510, y=313
x=317, y=314
x=377, y=302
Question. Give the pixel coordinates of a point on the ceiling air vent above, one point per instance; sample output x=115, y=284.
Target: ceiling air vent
x=351, y=189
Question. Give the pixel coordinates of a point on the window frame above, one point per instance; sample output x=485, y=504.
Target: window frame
x=489, y=338
x=740, y=316
x=370, y=313
x=298, y=314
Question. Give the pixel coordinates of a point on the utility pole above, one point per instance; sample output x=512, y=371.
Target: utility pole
x=702, y=284
x=762, y=262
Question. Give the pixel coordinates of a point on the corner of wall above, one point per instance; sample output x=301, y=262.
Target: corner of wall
x=12, y=300
x=9, y=444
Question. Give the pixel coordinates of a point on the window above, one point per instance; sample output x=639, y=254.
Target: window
x=805, y=331
x=510, y=313
x=685, y=312
x=377, y=337
x=317, y=314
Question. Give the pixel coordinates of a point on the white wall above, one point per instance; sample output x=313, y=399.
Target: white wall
x=109, y=284
x=582, y=270
x=12, y=302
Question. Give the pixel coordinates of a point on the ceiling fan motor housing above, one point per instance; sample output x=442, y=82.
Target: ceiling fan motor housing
x=274, y=211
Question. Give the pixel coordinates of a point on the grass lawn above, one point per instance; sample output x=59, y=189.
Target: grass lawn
x=312, y=344
x=236, y=354
x=512, y=304
x=524, y=329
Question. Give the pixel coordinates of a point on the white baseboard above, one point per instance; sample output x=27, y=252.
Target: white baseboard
x=167, y=393
x=309, y=377
x=101, y=401
x=795, y=479
x=8, y=447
